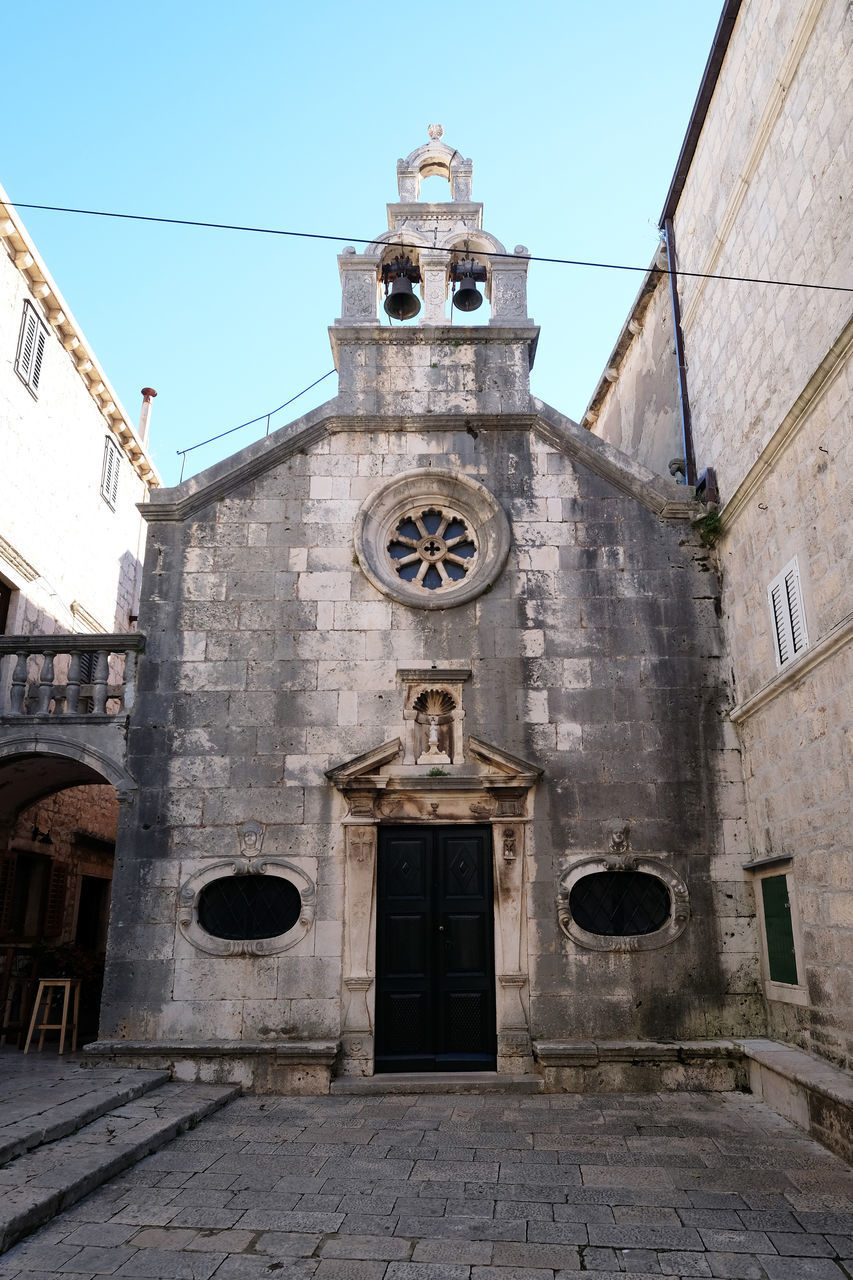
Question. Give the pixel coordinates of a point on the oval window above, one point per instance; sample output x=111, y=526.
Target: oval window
x=620, y=903
x=249, y=907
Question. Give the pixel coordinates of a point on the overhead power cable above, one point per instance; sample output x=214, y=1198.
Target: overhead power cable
x=316, y=235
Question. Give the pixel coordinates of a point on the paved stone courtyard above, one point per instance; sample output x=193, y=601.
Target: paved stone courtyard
x=458, y=1187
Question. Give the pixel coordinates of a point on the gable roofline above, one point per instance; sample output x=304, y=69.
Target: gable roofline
x=56, y=315
x=707, y=85
x=658, y=494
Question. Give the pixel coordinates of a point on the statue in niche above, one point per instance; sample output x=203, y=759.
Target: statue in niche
x=434, y=720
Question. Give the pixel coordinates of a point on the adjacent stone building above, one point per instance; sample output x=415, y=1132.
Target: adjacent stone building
x=762, y=191
x=74, y=469
x=433, y=766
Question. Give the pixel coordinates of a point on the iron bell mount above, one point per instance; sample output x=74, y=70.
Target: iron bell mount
x=401, y=273
x=466, y=273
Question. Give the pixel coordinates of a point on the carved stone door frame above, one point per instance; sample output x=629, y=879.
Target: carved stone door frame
x=501, y=796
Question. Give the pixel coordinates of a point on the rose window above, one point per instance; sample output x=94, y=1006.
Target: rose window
x=432, y=548
x=431, y=539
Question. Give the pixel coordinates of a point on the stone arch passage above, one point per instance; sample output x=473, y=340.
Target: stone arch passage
x=58, y=822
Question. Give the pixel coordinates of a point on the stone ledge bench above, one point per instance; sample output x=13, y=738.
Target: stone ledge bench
x=282, y=1066
x=810, y=1092
x=640, y=1066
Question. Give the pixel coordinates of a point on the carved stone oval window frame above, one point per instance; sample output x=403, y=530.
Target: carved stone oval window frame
x=679, y=912
x=382, y=511
x=190, y=892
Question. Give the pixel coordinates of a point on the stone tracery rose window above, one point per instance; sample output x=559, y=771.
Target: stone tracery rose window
x=431, y=539
x=433, y=548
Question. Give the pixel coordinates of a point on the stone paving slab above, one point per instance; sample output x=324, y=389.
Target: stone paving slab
x=43, y=1098
x=37, y=1185
x=316, y=1189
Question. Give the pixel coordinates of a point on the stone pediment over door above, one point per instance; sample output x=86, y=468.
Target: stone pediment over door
x=490, y=786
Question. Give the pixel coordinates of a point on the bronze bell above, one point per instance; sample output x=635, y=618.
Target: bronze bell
x=467, y=297
x=401, y=303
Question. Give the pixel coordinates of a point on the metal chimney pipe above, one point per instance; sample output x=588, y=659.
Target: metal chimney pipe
x=148, y=394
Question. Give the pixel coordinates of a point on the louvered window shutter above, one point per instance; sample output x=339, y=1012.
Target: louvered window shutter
x=31, y=347
x=779, y=929
x=55, y=911
x=789, y=619
x=38, y=357
x=794, y=598
x=110, y=473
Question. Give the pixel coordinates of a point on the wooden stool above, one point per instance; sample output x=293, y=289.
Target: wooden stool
x=45, y=992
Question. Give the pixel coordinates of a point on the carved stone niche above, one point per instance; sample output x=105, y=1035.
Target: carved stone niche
x=433, y=714
x=381, y=786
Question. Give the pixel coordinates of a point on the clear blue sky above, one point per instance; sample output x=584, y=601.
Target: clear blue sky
x=279, y=115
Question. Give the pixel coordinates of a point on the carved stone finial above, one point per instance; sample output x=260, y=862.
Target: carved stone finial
x=436, y=131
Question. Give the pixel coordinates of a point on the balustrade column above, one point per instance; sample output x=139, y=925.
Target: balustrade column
x=100, y=682
x=45, y=689
x=18, y=691
x=72, y=689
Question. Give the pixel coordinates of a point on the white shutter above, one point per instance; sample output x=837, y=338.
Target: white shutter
x=27, y=344
x=788, y=615
x=38, y=356
x=110, y=473
x=796, y=612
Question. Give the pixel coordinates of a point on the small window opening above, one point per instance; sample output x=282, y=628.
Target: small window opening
x=248, y=907
x=779, y=930
x=620, y=903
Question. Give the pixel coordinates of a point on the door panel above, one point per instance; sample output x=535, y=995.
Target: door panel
x=435, y=997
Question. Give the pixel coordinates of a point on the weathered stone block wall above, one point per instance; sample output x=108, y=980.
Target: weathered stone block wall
x=439, y=369
x=767, y=195
x=639, y=411
x=271, y=657
x=770, y=383
x=769, y=372
x=796, y=726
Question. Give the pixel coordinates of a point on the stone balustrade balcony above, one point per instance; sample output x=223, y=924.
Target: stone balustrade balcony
x=68, y=676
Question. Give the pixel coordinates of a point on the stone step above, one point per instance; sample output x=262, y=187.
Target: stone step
x=37, y=1110
x=414, y=1082
x=43, y=1182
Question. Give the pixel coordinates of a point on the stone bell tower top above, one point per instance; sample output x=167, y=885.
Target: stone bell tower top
x=436, y=236
x=434, y=264
x=434, y=158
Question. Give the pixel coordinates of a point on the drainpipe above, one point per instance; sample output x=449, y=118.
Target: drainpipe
x=683, y=395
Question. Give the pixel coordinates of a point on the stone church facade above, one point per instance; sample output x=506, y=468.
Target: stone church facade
x=430, y=742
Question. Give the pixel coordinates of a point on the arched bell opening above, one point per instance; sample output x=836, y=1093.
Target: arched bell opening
x=400, y=280
x=434, y=183
x=58, y=823
x=469, y=287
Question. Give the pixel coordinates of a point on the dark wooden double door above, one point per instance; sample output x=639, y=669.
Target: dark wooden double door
x=435, y=985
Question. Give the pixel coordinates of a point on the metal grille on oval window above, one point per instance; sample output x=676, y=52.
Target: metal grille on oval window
x=432, y=548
